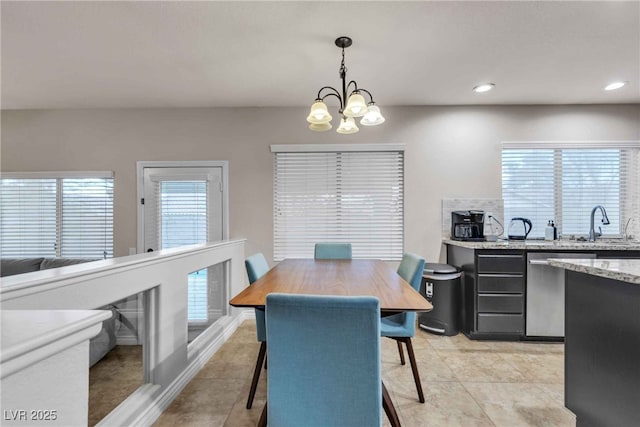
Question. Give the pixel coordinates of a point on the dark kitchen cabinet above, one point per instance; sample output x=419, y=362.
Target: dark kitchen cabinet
x=493, y=290
x=601, y=350
x=494, y=287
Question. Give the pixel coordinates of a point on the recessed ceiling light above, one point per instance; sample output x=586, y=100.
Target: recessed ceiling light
x=615, y=85
x=486, y=87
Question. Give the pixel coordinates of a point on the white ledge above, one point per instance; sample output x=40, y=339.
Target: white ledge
x=20, y=284
x=29, y=336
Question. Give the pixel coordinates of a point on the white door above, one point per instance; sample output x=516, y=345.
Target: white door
x=184, y=206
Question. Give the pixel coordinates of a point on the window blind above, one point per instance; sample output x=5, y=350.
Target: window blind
x=563, y=182
x=354, y=197
x=184, y=221
x=590, y=178
x=63, y=215
x=183, y=213
x=28, y=218
x=87, y=218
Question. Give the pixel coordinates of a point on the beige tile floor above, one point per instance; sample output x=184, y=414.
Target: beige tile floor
x=466, y=383
x=113, y=379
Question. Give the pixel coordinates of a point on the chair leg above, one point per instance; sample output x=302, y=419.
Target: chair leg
x=389, y=409
x=401, y=352
x=256, y=373
x=262, y=422
x=414, y=368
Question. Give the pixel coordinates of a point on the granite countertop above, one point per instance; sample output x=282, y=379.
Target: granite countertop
x=555, y=245
x=625, y=270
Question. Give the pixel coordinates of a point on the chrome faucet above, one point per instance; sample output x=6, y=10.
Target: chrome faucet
x=605, y=220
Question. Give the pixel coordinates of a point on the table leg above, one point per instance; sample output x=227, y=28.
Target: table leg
x=389, y=409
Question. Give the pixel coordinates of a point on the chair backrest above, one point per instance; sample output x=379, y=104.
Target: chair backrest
x=323, y=361
x=256, y=268
x=410, y=269
x=332, y=251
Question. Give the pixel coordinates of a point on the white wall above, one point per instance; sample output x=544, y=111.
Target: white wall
x=451, y=152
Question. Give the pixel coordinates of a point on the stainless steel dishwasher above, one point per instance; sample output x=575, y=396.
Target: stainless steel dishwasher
x=545, y=294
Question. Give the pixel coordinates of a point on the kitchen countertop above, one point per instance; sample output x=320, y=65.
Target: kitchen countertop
x=625, y=270
x=555, y=245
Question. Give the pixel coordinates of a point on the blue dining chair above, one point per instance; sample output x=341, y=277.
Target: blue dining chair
x=402, y=327
x=332, y=251
x=324, y=361
x=257, y=266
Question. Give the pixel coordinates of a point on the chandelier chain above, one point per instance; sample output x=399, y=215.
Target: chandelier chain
x=343, y=67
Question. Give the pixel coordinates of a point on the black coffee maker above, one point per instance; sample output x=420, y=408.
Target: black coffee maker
x=467, y=225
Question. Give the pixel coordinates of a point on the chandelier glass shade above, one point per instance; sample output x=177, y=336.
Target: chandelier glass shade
x=320, y=127
x=351, y=106
x=356, y=106
x=372, y=117
x=347, y=126
x=319, y=114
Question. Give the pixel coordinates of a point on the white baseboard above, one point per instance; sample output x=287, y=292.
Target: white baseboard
x=123, y=413
x=128, y=340
x=143, y=407
x=124, y=336
x=154, y=409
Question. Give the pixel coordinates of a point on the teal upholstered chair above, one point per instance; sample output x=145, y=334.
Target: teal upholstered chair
x=401, y=327
x=332, y=251
x=256, y=268
x=324, y=361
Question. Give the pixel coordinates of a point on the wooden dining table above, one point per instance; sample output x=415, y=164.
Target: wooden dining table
x=358, y=277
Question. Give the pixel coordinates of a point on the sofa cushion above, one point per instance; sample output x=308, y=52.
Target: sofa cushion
x=48, y=263
x=11, y=266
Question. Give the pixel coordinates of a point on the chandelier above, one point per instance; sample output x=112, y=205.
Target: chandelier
x=350, y=108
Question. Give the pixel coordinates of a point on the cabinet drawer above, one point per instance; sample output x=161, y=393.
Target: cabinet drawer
x=501, y=283
x=501, y=323
x=501, y=303
x=501, y=263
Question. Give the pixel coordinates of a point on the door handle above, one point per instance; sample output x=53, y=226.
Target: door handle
x=539, y=261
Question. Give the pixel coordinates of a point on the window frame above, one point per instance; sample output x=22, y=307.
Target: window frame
x=630, y=164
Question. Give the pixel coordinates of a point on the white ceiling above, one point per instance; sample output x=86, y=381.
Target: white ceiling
x=221, y=54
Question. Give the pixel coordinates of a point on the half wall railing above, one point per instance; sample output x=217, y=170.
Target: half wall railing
x=170, y=361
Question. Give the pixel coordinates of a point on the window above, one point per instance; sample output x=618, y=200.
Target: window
x=53, y=214
x=183, y=221
x=338, y=194
x=564, y=181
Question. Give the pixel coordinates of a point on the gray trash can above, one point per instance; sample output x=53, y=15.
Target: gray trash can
x=441, y=285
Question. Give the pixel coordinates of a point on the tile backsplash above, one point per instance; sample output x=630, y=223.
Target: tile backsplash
x=495, y=206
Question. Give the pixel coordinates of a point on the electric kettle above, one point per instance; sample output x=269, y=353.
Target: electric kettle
x=519, y=228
